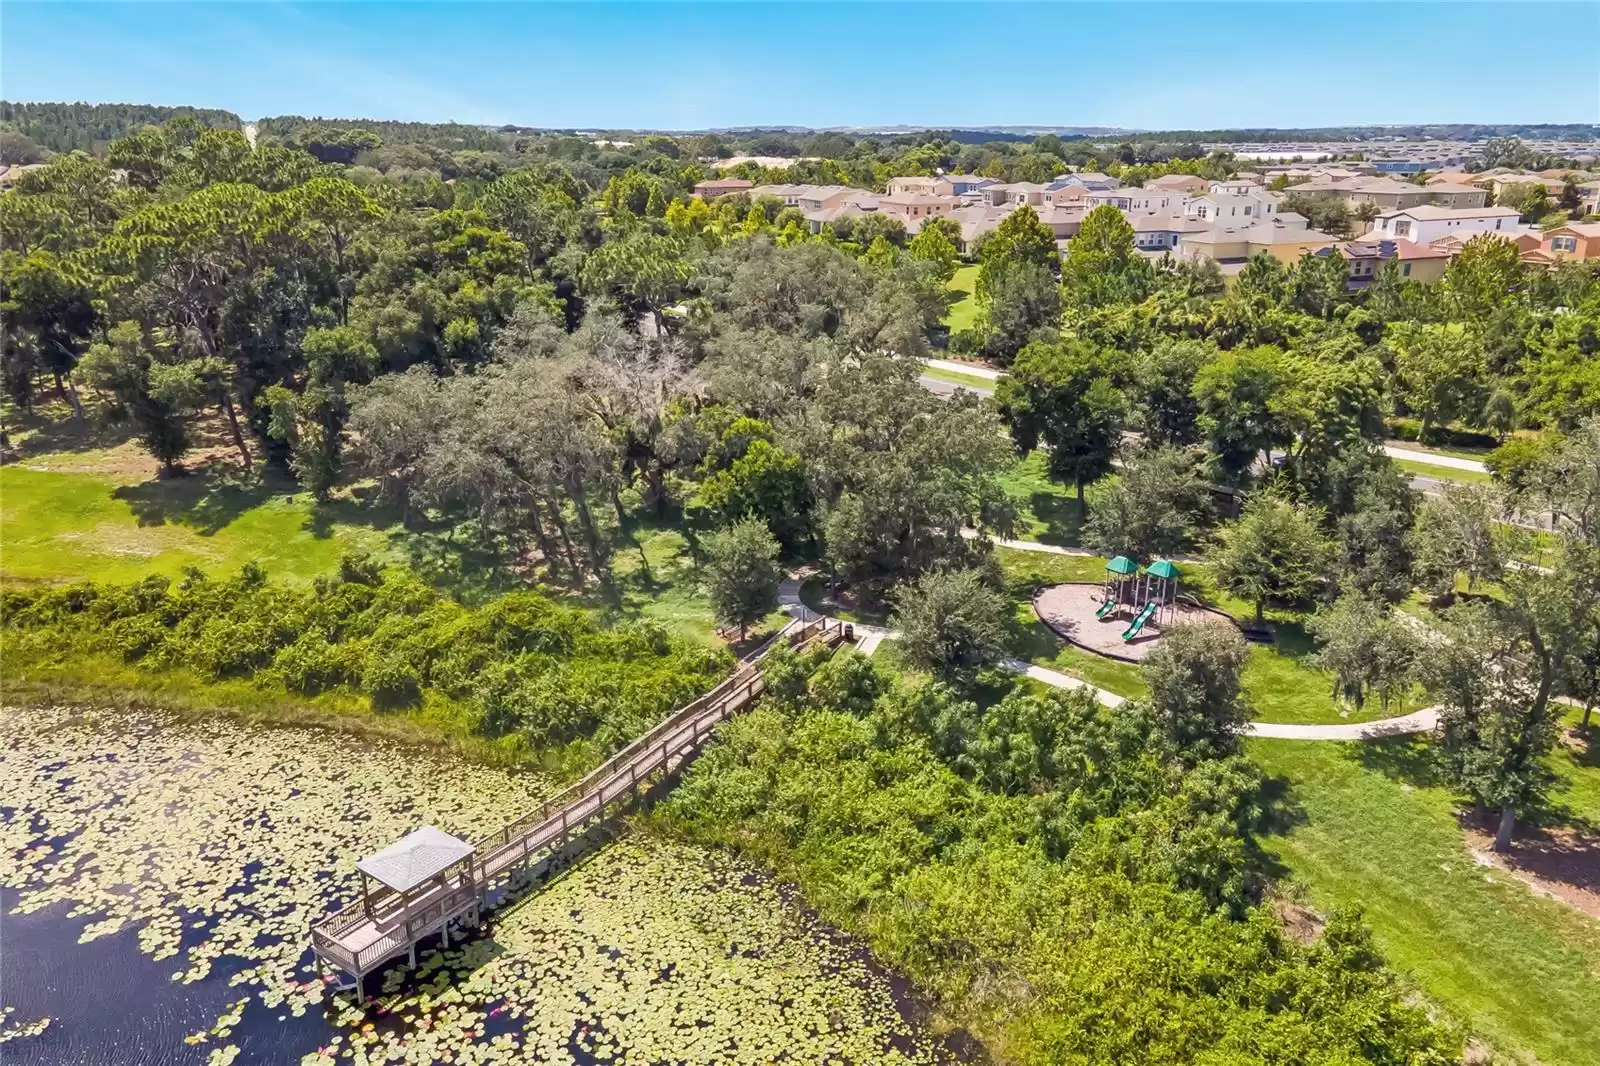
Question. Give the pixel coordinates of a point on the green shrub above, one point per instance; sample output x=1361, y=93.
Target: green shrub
x=525, y=664
x=391, y=684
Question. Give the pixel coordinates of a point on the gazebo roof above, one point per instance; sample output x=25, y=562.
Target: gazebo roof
x=415, y=858
x=1122, y=565
x=1163, y=568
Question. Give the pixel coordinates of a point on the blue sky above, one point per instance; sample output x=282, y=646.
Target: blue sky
x=687, y=66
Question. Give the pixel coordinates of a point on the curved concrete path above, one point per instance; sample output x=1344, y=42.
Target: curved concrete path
x=870, y=636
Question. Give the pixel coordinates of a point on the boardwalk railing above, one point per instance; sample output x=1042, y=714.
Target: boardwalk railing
x=385, y=922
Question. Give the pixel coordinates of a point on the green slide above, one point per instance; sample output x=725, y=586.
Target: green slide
x=1106, y=608
x=1138, y=623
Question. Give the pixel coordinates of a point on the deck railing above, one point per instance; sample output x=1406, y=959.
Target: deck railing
x=584, y=800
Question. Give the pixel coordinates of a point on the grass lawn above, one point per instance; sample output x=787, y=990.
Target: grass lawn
x=966, y=381
x=814, y=594
x=1375, y=830
x=70, y=526
x=1047, y=510
x=965, y=309
x=1444, y=473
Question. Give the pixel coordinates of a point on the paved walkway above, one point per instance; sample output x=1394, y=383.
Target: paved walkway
x=870, y=636
x=969, y=369
x=1417, y=455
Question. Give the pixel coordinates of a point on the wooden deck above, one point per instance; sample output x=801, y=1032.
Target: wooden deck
x=386, y=923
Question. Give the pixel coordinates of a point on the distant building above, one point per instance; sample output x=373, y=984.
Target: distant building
x=710, y=190
x=1089, y=179
x=1178, y=183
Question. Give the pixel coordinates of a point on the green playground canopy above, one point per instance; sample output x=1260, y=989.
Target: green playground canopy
x=1122, y=565
x=1162, y=568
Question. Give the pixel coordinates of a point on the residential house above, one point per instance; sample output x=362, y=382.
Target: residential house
x=1239, y=185
x=1178, y=183
x=1162, y=231
x=1589, y=198
x=1063, y=220
x=1501, y=182
x=963, y=184
x=914, y=210
x=821, y=197
x=1418, y=262
x=710, y=190
x=788, y=193
x=977, y=220
x=1117, y=198
x=919, y=185
x=1088, y=179
x=1223, y=208
x=1454, y=195
x=1427, y=223
x=852, y=206
x=1018, y=192
x=1386, y=194
x=1284, y=235
x=1061, y=193
x=1576, y=240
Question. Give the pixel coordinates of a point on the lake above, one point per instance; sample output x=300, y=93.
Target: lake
x=158, y=879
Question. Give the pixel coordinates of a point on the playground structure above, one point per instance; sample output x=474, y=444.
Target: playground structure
x=1151, y=592
x=1122, y=617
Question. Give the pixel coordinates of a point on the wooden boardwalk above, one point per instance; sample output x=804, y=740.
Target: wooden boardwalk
x=386, y=923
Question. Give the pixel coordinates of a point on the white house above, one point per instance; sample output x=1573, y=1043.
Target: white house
x=1232, y=210
x=1428, y=223
x=1090, y=180
x=1236, y=187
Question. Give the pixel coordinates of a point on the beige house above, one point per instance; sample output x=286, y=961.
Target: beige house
x=914, y=209
x=1285, y=237
x=1178, y=183
x=1501, y=182
x=1017, y=192
x=710, y=190
x=1389, y=194
x=918, y=185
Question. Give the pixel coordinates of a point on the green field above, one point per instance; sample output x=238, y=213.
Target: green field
x=63, y=525
x=969, y=381
x=68, y=526
x=1374, y=831
x=965, y=309
x=1444, y=473
x=1047, y=510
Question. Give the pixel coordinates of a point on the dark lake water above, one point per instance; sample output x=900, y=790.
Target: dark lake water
x=215, y=846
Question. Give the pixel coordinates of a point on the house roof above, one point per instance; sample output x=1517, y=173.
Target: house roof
x=725, y=183
x=415, y=858
x=1388, y=185
x=1451, y=186
x=1589, y=230
x=1435, y=213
